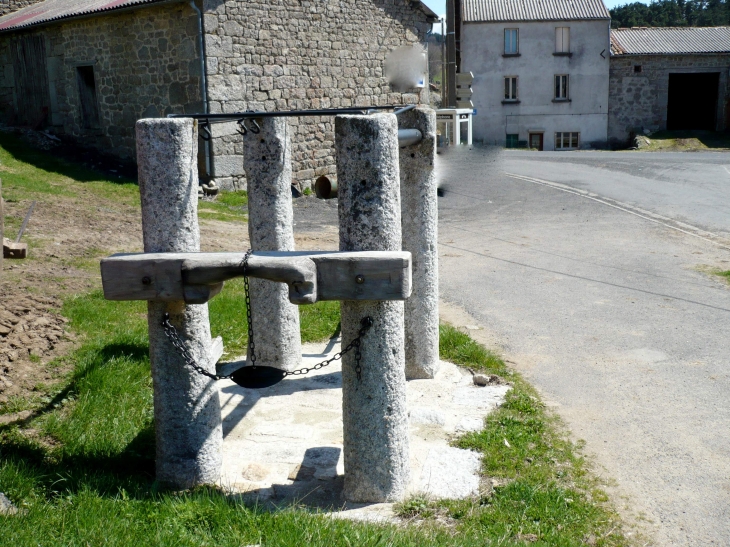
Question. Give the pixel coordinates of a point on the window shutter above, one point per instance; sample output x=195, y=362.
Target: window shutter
x=562, y=39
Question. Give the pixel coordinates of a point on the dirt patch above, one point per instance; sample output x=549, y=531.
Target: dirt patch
x=312, y=214
x=66, y=236
x=31, y=331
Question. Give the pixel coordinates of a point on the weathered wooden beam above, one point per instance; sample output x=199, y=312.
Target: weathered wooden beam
x=198, y=277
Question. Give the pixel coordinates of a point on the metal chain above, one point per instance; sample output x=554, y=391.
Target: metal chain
x=365, y=325
x=251, y=345
x=179, y=344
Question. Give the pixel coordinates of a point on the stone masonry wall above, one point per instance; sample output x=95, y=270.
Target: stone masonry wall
x=638, y=100
x=146, y=63
x=301, y=54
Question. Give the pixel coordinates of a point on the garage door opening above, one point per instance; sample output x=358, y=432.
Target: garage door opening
x=692, y=102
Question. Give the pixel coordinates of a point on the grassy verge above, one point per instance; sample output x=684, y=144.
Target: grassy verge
x=82, y=467
x=28, y=173
x=543, y=491
x=725, y=274
x=227, y=206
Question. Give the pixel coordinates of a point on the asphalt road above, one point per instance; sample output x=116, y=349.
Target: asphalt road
x=594, y=287
x=688, y=187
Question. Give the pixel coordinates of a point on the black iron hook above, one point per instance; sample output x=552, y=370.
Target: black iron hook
x=205, y=133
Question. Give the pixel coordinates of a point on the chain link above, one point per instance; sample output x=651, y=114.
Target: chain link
x=179, y=344
x=251, y=345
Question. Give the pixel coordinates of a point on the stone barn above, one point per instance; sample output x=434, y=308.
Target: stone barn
x=668, y=78
x=88, y=69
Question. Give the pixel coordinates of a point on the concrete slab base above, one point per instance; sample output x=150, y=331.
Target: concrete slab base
x=283, y=445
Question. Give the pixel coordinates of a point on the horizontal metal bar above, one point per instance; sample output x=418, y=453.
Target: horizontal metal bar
x=404, y=109
x=235, y=116
x=407, y=137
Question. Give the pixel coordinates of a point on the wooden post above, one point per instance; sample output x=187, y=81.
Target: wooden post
x=187, y=408
x=375, y=420
x=267, y=162
x=419, y=214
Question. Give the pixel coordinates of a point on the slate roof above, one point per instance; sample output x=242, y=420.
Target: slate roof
x=669, y=40
x=56, y=10
x=474, y=11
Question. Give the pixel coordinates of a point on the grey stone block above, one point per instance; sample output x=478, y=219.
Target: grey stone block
x=420, y=237
x=228, y=166
x=267, y=162
x=187, y=408
x=375, y=420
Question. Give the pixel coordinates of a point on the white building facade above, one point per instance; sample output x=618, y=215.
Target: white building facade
x=541, y=71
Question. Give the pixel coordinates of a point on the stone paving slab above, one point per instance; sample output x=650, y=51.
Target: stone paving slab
x=283, y=444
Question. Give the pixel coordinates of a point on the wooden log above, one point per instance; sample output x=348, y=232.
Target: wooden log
x=198, y=277
x=14, y=250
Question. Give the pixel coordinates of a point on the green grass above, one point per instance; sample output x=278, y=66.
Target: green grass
x=82, y=468
x=16, y=403
x=725, y=274
x=228, y=206
x=228, y=319
x=28, y=173
x=544, y=492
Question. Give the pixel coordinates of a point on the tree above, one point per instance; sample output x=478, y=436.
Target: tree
x=672, y=13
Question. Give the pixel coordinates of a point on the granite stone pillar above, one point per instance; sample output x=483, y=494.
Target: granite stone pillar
x=419, y=214
x=375, y=419
x=267, y=162
x=187, y=408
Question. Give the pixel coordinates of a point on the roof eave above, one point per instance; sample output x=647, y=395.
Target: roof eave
x=539, y=20
x=432, y=15
x=92, y=14
x=635, y=54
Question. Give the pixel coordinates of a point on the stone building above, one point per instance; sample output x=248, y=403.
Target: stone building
x=90, y=68
x=668, y=78
x=540, y=71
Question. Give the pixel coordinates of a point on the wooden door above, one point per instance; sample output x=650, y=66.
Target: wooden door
x=31, y=78
x=536, y=141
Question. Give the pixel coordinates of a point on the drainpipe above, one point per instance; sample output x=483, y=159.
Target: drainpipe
x=450, y=53
x=209, y=166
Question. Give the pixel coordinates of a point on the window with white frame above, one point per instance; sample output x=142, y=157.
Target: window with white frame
x=562, y=39
x=511, y=41
x=510, y=88
x=561, y=87
x=566, y=140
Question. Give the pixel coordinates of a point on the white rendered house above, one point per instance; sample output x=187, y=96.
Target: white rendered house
x=541, y=71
